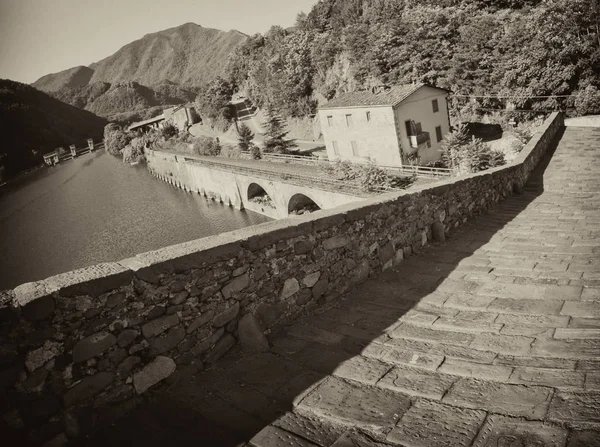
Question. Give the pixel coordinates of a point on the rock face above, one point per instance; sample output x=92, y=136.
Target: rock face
x=251, y=335
x=151, y=374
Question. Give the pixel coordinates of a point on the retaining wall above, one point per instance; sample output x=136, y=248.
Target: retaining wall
x=83, y=345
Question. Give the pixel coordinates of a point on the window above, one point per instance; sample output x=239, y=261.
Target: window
x=368, y=116
x=348, y=120
x=330, y=121
x=436, y=107
x=336, y=150
x=354, y=148
x=438, y=133
x=410, y=128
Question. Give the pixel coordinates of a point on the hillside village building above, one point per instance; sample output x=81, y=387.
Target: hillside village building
x=388, y=125
x=180, y=116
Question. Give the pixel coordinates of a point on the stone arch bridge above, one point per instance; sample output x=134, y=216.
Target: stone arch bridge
x=266, y=192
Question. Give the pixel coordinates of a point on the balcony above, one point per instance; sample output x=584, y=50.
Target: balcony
x=417, y=140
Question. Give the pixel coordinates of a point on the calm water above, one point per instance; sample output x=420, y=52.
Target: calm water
x=96, y=209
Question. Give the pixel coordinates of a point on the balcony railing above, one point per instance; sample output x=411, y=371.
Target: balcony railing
x=417, y=140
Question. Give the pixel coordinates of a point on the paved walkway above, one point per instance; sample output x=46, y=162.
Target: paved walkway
x=490, y=339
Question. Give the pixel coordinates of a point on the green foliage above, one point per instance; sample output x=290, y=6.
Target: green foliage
x=245, y=137
x=207, y=146
x=169, y=130
x=368, y=177
x=213, y=100
x=466, y=155
x=275, y=134
x=116, y=138
x=255, y=152
x=519, y=48
x=587, y=101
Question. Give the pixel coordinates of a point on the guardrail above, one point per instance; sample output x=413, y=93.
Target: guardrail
x=421, y=171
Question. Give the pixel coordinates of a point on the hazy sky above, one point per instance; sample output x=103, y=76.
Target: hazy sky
x=38, y=37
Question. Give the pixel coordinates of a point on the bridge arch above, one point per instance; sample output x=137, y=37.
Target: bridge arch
x=300, y=204
x=257, y=193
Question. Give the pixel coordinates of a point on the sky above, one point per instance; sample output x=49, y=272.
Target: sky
x=38, y=37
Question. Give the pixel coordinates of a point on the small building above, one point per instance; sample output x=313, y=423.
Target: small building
x=181, y=116
x=391, y=126
x=152, y=123
x=51, y=158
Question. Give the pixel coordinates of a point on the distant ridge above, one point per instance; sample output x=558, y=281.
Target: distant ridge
x=32, y=120
x=167, y=66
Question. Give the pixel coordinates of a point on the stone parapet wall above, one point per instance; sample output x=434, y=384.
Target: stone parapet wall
x=84, y=345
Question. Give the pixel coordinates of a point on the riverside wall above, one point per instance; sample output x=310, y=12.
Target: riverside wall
x=81, y=347
x=232, y=187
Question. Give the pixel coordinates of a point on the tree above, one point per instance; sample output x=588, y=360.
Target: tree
x=276, y=133
x=207, y=146
x=116, y=138
x=169, y=130
x=245, y=138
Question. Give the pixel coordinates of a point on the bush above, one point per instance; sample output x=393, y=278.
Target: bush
x=369, y=177
x=207, y=146
x=587, y=101
x=169, y=130
x=230, y=151
x=466, y=156
x=116, y=139
x=134, y=151
x=255, y=152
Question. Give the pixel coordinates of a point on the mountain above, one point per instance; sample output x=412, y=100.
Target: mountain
x=32, y=120
x=188, y=55
x=71, y=78
x=162, y=68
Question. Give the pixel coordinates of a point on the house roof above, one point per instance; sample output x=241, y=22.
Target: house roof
x=391, y=96
x=148, y=121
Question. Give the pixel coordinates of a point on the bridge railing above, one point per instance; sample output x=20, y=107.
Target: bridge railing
x=305, y=180
x=420, y=171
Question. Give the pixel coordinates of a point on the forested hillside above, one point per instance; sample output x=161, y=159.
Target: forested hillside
x=33, y=123
x=518, y=48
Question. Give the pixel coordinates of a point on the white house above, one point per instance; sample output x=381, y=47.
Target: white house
x=388, y=125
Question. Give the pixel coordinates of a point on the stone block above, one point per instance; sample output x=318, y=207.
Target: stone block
x=311, y=279
x=115, y=299
x=87, y=388
x=39, y=357
x=203, y=319
x=236, y=285
x=322, y=433
x=303, y=297
x=500, y=429
x=361, y=369
x=159, y=369
x=220, y=349
x=93, y=281
x=39, y=309
x=386, y=253
x=250, y=334
x=431, y=424
x=179, y=297
x=361, y=273
x=290, y=287
x=92, y=346
x=349, y=403
x=577, y=407
x=514, y=400
x=226, y=316
x=438, y=231
x=303, y=247
x=128, y=364
x=417, y=382
x=159, y=325
x=271, y=436
x=335, y=242
x=164, y=343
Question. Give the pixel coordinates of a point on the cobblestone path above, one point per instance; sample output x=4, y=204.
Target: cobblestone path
x=489, y=339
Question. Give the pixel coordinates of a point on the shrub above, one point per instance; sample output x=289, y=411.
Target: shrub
x=255, y=152
x=466, y=156
x=115, y=139
x=369, y=177
x=245, y=138
x=134, y=151
x=169, y=130
x=230, y=151
x=207, y=146
x=587, y=101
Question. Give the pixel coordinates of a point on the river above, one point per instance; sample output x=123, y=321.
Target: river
x=97, y=209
